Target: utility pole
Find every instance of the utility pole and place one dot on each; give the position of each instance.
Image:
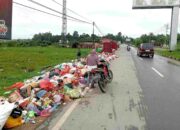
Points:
(64, 22)
(167, 28)
(174, 27)
(93, 32)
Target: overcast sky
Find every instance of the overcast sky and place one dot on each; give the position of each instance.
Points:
(111, 16)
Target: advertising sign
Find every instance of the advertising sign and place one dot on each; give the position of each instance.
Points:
(155, 3)
(5, 19)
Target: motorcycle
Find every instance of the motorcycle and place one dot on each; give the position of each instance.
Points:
(99, 78)
(108, 74)
(128, 48)
(105, 73)
(100, 75)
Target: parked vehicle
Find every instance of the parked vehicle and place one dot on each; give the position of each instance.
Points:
(146, 49)
(106, 69)
(100, 75)
(106, 74)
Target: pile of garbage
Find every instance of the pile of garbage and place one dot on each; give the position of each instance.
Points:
(43, 94)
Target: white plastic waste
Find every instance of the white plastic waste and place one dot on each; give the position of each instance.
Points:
(5, 111)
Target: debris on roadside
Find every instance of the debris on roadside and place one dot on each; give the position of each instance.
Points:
(41, 95)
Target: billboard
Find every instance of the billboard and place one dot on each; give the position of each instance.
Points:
(140, 4)
(5, 19)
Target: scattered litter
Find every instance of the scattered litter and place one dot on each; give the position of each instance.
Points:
(41, 95)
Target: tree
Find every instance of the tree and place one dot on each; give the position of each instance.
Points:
(56, 38)
(119, 37)
(69, 37)
(43, 37)
(110, 36)
(96, 38)
(137, 41)
(85, 38)
(160, 40)
(178, 38)
(76, 35)
(144, 38)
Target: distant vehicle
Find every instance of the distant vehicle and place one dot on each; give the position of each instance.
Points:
(128, 48)
(146, 49)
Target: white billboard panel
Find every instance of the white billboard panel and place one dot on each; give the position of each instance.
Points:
(155, 3)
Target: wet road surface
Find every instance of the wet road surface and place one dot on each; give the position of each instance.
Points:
(160, 82)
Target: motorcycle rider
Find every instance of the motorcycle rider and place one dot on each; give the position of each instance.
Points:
(128, 47)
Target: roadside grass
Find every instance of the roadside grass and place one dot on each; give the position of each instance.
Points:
(19, 63)
(166, 53)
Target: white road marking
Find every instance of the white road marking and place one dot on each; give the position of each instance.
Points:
(61, 121)
(158, 72)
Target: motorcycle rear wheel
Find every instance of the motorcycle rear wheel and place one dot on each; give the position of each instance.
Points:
(110, 76)
(102, 86)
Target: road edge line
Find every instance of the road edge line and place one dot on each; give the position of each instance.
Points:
(62, 120)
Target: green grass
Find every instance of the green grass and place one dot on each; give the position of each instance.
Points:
(18, 63)
(167, 53)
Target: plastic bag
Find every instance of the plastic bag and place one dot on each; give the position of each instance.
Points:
(75, 82)
(16, 112)
(65, 70)
(41, 93)
(17, 85)
(24, 104)
(5, 110)
(45, 112)
(14, 97)
(47, 85)
(74, 93)
(13, 122)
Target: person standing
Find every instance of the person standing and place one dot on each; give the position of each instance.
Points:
(92, 62)
(78, 54)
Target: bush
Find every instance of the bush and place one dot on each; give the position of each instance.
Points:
(137, 42)
(75, 45)
(178, 47)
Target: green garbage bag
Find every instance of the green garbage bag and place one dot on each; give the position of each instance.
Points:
(99, 50)
(74, 93)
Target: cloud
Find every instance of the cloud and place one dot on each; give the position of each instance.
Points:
(111, 16)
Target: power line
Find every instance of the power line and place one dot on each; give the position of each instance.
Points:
(72, 11)
(36, 9)
(58, 11)
(41, 11)
(76, 20)
(98, 29)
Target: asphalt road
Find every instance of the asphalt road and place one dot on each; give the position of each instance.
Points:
(144, 95)
(160, 82)
(121, 108)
